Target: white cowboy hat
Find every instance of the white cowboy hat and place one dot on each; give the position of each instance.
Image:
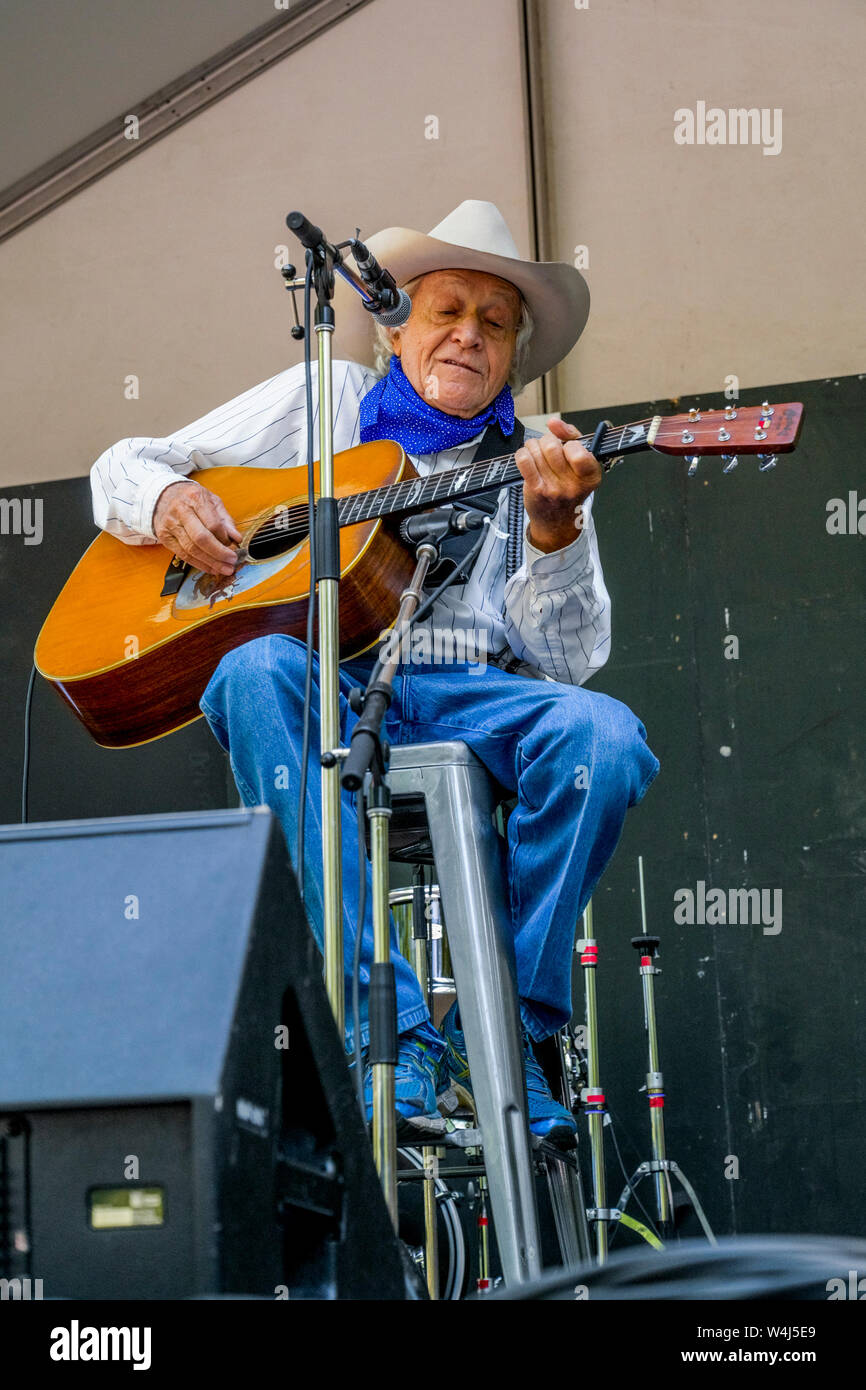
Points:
(472, 237)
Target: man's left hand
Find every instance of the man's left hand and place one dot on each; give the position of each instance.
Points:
(558, 476)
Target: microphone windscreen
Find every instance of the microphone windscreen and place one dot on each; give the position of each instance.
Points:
(396, 317)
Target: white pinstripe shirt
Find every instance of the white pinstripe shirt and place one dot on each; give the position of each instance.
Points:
(553, 614)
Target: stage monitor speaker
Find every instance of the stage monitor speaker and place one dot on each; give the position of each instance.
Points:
(176, 1113)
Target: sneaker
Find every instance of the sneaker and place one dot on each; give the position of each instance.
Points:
(547, 1118)
(420, 1075)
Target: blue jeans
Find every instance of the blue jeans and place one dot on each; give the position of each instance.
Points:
(575, 759)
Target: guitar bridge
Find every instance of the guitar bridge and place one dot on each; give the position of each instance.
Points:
(174, 576)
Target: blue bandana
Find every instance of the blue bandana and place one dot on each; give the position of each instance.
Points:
(392, 409)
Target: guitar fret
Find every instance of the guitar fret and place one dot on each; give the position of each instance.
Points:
(389, 498)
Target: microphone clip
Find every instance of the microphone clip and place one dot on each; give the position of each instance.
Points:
(435, 525)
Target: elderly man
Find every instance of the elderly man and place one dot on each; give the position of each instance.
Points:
(483, 322)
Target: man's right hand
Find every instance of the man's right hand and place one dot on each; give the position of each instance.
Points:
(192, 522)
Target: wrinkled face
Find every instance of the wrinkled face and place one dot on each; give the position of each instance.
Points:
(458, 344)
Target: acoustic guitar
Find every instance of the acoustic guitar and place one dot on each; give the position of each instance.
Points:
(134, 636)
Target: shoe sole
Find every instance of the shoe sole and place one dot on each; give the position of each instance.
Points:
(416, 1129)
(563, 1136)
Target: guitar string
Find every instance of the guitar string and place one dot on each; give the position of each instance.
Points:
(290, 515)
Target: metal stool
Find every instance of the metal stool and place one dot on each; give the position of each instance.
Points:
(460, 804)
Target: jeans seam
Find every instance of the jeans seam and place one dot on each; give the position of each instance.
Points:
(591, 762)
(532, 1021)
(468, 728)
(648, 781)
(244, 788)
(213, 717)
(405, 1021)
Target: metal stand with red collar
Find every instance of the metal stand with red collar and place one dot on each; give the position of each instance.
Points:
(660, 1167)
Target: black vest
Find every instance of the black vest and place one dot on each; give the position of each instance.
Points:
(452, 550)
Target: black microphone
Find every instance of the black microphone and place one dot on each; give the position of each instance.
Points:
(312, 237)
(388, 304)
(441, 522)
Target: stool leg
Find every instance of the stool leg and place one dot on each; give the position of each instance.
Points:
(470, 871)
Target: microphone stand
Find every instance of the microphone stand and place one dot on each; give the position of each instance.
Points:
(327, 260)
(327, 550)
(368, 752)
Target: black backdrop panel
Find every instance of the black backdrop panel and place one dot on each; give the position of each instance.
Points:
(70, 775)
(762, 785)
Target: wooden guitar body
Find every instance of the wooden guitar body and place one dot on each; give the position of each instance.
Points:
(133, 664)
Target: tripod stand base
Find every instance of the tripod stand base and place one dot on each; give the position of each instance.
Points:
(667, 1165)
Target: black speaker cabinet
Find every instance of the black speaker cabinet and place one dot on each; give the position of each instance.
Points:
(176, 1115)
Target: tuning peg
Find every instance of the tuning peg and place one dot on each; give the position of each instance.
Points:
(766, 461)
(730, 461)
(766, 409)
(693, 460)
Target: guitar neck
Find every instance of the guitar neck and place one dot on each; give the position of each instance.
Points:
(419, 494)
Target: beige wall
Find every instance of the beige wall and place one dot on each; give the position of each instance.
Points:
(165, 268)
(704, 261)
(707, 260)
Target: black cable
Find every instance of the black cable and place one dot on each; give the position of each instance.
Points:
(426, 607)
(356, 958)
(25, 774)
(459, 573)
(311, 601)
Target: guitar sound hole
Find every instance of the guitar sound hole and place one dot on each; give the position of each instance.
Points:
(276, 536)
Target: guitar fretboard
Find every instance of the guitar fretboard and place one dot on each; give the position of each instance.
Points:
(417, 494)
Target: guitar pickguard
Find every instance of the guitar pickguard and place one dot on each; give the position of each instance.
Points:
(202, 591)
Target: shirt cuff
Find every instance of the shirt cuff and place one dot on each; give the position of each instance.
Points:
(556, 569)
(148, 497)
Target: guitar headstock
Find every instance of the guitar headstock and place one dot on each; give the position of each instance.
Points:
(765, 430)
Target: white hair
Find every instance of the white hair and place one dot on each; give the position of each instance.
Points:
(383, 348)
